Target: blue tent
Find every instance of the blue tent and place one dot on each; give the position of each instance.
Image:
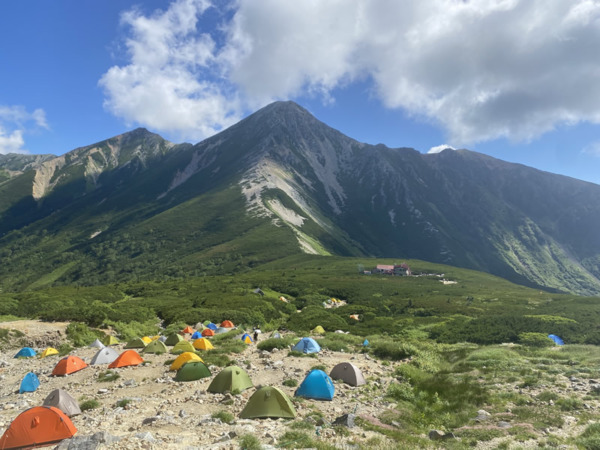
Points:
(556, 339)
(196, 335)
(212, 326)
(30, 383)
(365, 342)
(317, 385)
(26, 352)
(307, 345)
(247, 338)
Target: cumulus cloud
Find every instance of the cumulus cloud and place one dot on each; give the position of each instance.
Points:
(14, 122)
(440, 148)
(172, 82)
(480, 69)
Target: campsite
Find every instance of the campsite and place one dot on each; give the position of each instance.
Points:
(478, 363)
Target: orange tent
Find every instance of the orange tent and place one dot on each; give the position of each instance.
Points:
(36, 427)
(68, 365)
(188, 330)
(127, 358)
(208, 332)
(227, 324)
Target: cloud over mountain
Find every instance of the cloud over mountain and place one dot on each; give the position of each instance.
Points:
(481, 70)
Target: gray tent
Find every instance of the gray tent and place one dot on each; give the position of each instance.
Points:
(222, 330)
(62, 400)
(105, 355)
(348, 373)
(97, 344)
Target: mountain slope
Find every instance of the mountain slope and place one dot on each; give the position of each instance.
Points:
(280, 182)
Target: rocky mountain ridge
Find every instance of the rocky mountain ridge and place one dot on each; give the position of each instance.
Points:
(282, 172)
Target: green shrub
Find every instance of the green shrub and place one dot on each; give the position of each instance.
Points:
(401, 392)
(590, 438)
(546, 396)
(290, 382)
(123, 403)
(569, 403)
(249, 442)
(108, 375)
(319, 367)
(538, 340)
(296, 439)
(89, 404)
(81, 335)
(223, 416)
(393, 350)
(270, 344)
(64, 349)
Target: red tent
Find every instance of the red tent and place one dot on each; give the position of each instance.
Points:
(208, 332)
(188, 330)
(227, 324)
(69, 364)
(37, 427)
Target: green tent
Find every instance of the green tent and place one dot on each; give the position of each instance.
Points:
(229, 379)
(192, 370)
(267, 402)
(183, 346)
(138, 342)
(110, 340)
(157, 347)
(173, 339)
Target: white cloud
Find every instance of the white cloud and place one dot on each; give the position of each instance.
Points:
(440, 148)
(171, 83)
(14, 122)
(481, 69)
(592, 148)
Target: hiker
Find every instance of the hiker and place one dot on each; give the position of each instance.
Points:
(256, 333)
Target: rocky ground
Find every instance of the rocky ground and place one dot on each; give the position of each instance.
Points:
(163, 413)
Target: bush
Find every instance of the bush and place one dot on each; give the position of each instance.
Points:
(290, 382)
(270, 344)
(223, 416)
(108, 375)
(249, 442)
(393, 350)
(401, 392)
(89, 404)
(123, 403)
(81, 335)
(538, 340)
(319, 367)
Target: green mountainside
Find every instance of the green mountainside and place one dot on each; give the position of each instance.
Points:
(279, 183)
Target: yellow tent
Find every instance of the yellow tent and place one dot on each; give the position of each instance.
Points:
(109, 340)
(183, 358)
(146, 339)
(154, 338)
(202, 344)
(49, 352)
(318, 330)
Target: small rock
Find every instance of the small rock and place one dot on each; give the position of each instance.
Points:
(346, 420)
(503, 424)
(146, 436)
(182, 414)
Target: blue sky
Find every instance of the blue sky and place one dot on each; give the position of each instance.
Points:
(516, 79)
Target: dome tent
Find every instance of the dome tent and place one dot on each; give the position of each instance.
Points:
(202, 344)
(268, 402)
(105, 355)
(157, 347)
(49, 352)
(192, 370)
(173, 339)
(97, 344)
(231, 378)
(62, 400)
(41, 425)
(126, 359)
(183, 358)
(69, 365)
(307, 345)
(182, 347)
(30, 383)
(348, 373)
(317, 385)
(137, 342)
(556, 339)
(26, 352)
